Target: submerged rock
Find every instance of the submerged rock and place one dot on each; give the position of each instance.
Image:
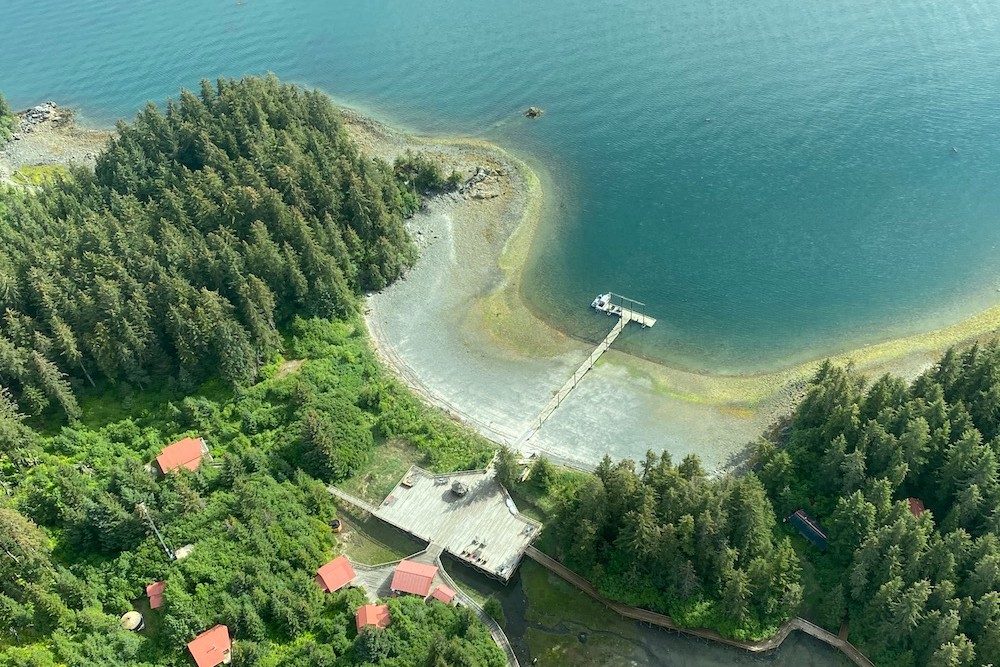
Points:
(534, 112)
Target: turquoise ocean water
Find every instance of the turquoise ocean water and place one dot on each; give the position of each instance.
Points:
(776, 179)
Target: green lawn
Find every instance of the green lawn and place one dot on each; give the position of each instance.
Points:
(39, 174)
(379, 476)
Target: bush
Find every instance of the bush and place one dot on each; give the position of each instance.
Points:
(493, 607)
(423, 174)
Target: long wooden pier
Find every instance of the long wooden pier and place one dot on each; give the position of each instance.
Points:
(603, 303)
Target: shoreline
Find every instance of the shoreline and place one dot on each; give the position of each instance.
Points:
(713, 415)
(59, 140)
(457, 330)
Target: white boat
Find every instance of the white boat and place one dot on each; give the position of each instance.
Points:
(602, 302)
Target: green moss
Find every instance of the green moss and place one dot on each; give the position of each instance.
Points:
(39, 174)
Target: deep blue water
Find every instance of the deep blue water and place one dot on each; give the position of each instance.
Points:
(774, 178)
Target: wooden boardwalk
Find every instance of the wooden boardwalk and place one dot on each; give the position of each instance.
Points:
(571, 383)
(352, 500)
(666, 622)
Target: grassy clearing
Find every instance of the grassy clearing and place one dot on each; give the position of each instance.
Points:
(379, 476)
(39, 174)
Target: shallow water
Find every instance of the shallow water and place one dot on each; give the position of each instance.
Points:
(775, 179)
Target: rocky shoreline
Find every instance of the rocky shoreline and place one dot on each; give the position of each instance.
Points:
(48, 134)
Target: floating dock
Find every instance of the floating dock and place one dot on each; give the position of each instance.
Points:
(627, 310)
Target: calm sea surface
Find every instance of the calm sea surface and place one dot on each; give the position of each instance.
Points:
(776, 179)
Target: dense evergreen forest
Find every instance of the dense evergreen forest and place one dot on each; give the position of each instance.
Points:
(7, 119)
(917, 588)
(669, 538)
(159, 297)
(203, 229)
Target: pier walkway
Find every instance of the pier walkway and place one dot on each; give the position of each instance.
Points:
(571, 383)
(352, 500)
(604, 303)
(662, 621)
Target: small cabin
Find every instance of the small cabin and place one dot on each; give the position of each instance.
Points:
(809, 528)
(372, 615)
(154, 592)
(444, 594)
(413, 578)
(335, 575)
(212, 647)
(183, 454)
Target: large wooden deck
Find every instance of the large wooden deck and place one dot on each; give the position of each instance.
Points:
(481, 528)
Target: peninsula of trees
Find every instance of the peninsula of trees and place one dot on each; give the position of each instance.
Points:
(202, 231)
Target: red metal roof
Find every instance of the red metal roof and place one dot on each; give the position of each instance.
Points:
(372, 614)
(444, 594)
(335, 575)
(185, 453)
(413, 578)
(916, 506)
(211, 647)
(154, 592)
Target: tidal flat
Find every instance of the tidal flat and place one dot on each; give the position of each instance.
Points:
(458, 330)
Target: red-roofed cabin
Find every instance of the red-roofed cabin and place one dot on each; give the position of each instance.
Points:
(335, 575)
(916, 506)
(444, 594)
(376, 615)
(414, 578)
(154, 592)
(186, 453)
(212, 647)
